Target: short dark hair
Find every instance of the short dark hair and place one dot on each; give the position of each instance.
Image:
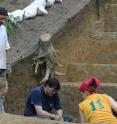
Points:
(53, 83)
(3, 11)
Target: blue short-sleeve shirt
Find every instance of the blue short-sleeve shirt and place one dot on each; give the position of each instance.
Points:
(38, 97)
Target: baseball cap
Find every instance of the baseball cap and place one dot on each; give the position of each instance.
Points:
(88, 84)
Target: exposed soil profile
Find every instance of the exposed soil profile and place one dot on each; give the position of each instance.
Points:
(80, 52)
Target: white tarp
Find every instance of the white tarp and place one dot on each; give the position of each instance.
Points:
(37, 7)
(49, 3)
(16, 16)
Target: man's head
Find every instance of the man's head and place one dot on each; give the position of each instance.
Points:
(51, 86)
(3, 86)
(89, 86)
(3, 14)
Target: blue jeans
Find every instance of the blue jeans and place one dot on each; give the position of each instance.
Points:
(68, 118)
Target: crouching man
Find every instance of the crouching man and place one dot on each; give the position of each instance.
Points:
(96, 107)
(43, 99)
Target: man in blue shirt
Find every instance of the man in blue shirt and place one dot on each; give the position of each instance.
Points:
(43, 99)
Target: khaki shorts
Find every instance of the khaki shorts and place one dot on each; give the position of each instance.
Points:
(3, 73)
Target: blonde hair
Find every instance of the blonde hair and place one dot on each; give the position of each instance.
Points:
(3, 83)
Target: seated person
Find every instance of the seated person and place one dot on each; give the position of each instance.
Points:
(96, 107)
(3, 91)
(42, 99)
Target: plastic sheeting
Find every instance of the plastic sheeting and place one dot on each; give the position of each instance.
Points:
(37, 7)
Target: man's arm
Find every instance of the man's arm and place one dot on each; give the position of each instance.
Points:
(113, 104)
(36, 100)
(82, 120)
(58, 106)
(59, 112)
(7, 46)
(41, 112)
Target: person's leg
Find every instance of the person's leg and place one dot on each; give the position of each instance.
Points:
(68, 118)
(3, 73)
(41, 117)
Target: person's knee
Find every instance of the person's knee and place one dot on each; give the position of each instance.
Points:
(3, 73)
(68, 118)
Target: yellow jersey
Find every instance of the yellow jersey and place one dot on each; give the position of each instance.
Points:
(96, 108)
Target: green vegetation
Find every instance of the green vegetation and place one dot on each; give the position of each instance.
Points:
(11, 24)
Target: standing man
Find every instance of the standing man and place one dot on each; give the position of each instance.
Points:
(4, 45)
(43, 99)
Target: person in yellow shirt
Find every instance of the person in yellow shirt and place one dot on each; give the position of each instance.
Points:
(96, 107)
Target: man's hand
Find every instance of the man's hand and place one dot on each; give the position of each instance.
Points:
(58, 118)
